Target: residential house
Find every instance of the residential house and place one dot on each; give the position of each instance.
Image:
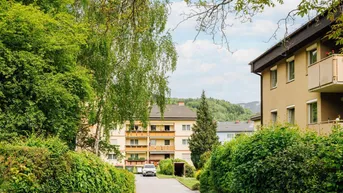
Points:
(227, 131)
(257, 121)
(302, 79)
(161, 139)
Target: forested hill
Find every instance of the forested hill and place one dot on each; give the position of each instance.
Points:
(222, 110)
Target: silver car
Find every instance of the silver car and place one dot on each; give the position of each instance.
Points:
(149, 170)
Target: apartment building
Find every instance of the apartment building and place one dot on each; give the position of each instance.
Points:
(302, 79)
(161, 139)
(226, 131)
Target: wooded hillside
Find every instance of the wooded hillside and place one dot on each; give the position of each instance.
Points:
(222, 110)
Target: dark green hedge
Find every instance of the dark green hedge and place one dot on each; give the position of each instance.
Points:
(48, 166)
(276, 159)
(167, 167)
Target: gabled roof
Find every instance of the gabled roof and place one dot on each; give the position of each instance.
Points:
(312, 30)
(173, 112)
(256, 117)
(235, 127)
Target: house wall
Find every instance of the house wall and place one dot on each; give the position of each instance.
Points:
(290, 93)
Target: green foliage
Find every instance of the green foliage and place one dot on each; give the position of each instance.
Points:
(38, 165)
(204, 135)
(197, 174)
(220, 109)
(196, 186)
(189, 170)
(203, 158)
(41, 86)
(166, 167)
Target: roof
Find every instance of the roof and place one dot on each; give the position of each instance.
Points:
(306, 34)
(235, 127)
(173, 112)
(256, 117)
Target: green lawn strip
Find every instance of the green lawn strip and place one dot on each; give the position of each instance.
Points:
(188, 182)
(163, 176)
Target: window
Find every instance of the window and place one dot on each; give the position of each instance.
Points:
(166, 142)
(291, 115)
(230, 136)
(186, 127)
(186, 156)
(274, 116)
(273, 78)
(167, 128)
(113, 142)
(134, 142)
(166, 156)
(184, 141)
(111, 156)
(152, 142)
(290, 71)
(312, 56)
(153, 127)
(134, 156)
(312, 112)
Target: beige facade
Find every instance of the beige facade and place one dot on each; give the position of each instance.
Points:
(317, 83)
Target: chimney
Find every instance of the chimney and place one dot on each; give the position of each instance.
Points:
(237, 121)
(181, 103)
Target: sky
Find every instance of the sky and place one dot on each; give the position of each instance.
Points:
(203, 65)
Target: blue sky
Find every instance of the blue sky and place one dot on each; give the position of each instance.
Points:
(203, 65)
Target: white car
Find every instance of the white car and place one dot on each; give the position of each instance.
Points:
(149, 169)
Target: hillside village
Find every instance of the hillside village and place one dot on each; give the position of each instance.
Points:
(98, 96)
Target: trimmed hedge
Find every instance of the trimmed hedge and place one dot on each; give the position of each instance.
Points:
(47, 166)
(276, 159)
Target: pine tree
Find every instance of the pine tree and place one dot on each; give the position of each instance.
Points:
(204, 136)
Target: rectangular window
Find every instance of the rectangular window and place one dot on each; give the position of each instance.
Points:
(312, 56)
(134, 142)
(273, 78)
(113, 142)
(167, 128)
(312, 113)
(153, 127)
(152, 142)
(134, 156)
(291, 115)
(230, 136)
(186, 156)
(290, 71)
(111, 156)
(184, 141)
(166, 142)
(186, 127)
(166, 156)
(274, 116)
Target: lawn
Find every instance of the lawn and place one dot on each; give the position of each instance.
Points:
(188, 182)
(162, 176)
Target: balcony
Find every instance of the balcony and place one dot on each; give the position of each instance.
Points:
(136, 134)
(136, 148)
(162, 134)
(324, 127)
(163, 149)
(326, 75)
(135, 162)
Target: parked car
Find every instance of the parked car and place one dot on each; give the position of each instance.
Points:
(149, 170)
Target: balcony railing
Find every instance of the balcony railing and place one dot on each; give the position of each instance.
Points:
(162, 134)
(325, 127)
(137, 148)
(162, 148)
(136, 134)
(326, 75)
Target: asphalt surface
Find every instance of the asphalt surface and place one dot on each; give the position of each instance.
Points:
(152, 184)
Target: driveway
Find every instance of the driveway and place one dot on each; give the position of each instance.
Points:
(156, 185)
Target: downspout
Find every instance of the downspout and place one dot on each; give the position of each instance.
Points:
(261, 90)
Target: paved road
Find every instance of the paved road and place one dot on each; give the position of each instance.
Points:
(155, 185)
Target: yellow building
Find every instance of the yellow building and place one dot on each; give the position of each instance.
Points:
(302, 79)
(163, 138)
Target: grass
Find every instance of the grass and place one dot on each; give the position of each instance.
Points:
(188, 182)
(163, 176)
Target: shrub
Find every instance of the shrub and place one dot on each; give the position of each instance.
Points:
(189, 170)
(206, 185)
(197, 174)
(196, 186)
(26, 168)
(166, 167)
(203, 158)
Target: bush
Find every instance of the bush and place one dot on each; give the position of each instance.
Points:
(38, 165)
(196, 186)
(189, 170)
(197, 174)
(166, 167)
